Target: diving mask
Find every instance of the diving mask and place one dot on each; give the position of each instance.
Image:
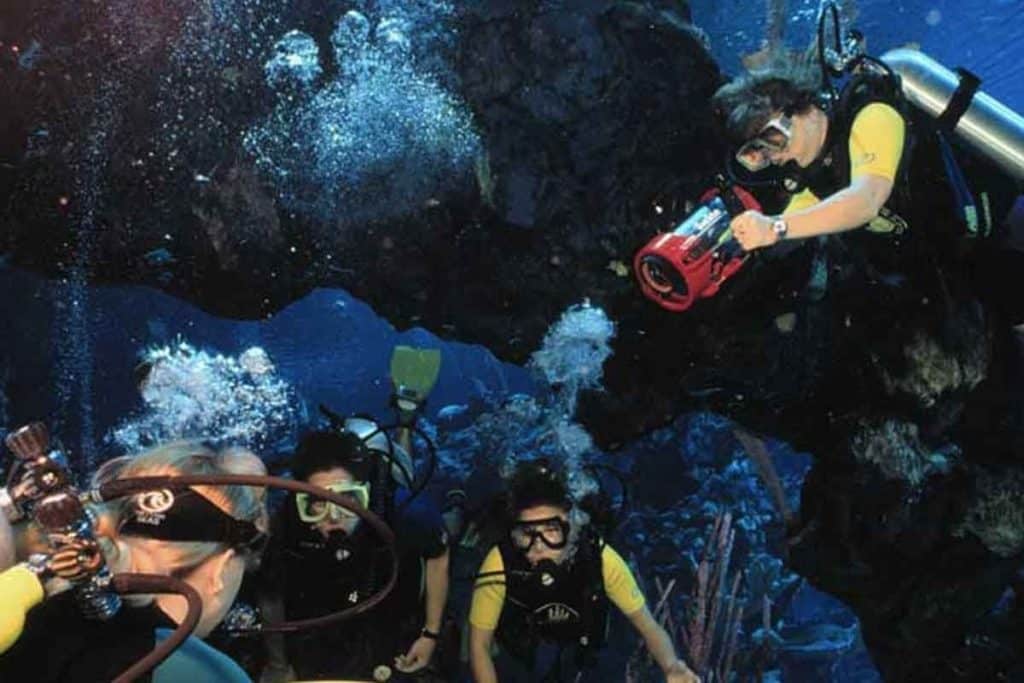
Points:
(755, 154)
(552, 531)
(312, 509)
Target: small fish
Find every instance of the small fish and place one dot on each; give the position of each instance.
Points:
(619, 268)
(452, 411)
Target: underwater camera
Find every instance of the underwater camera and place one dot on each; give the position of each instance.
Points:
(692, 261)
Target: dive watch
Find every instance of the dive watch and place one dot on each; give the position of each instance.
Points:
(780, 228)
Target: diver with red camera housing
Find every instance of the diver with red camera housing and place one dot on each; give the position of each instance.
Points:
(867, 155)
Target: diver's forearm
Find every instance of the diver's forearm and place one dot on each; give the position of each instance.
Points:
(437, 592)
(659, 644)
(483, 668)
(845, 210)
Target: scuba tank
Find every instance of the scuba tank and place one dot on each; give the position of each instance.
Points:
(953, 99)
(376, 439)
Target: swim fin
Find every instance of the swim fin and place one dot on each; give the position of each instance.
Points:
(413, 373)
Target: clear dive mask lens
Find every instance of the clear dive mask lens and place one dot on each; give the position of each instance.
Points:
(755, 154)
(312, 509)
(553, 532)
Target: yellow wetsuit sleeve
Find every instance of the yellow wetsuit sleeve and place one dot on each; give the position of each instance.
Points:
(488, 593)
(619, 583)
(876, 141)
(800, 201)
(20, 590)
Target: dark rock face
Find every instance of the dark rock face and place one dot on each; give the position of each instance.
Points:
(122, 157)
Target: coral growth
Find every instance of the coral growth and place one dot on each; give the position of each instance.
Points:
(997, 515)
(896, 448)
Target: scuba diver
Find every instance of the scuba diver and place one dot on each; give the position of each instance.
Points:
(542, 592)
(874, 154)
(206, 536)
(323, 558)
(847, 154)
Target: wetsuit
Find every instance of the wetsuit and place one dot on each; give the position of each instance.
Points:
(59, 645)
(874, 145)
(316, 576)
(550, 625)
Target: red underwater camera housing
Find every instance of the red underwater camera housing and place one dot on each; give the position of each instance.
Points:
(692, 261)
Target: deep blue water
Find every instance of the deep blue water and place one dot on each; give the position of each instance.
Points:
(330, 347)
(985, 36)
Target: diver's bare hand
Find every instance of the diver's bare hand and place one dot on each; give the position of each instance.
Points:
(753, 230)
(681, 673)
(417, 657)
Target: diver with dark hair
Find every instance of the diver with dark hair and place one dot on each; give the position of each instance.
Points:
(542, 593)
(876, 154)
(322, 559)
(841, 157)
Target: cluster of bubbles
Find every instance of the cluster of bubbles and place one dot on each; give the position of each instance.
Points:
(224, 400)
(542, 427)
(73, 347)
(572, 355)
(213, 43)
(378, 133)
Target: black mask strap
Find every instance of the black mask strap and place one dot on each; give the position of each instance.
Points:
(185, 515)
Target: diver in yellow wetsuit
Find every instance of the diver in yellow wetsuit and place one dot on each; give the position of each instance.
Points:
(543, 592)
(847, 153)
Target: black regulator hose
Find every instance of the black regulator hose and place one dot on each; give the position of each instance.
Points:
(134, 584)
(119, 488)
(431, 467)
(415, 488)
(826, 70)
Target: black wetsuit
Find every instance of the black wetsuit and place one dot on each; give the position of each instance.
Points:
(555, 618)
(59, 645)
(316, 577)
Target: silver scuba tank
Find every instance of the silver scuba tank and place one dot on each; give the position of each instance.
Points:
(401, 463)
(986, 125)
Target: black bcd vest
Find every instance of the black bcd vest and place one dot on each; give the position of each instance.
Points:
(830, 172)
(560, 604)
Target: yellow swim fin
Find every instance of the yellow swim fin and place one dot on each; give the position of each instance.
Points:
(413, 373)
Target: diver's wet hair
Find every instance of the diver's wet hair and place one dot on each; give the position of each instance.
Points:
(243, 503)
(325, 450)
(744, 105)
(536, 482)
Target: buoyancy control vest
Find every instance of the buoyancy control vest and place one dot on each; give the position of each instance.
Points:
(563, 604)
(830, 172)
